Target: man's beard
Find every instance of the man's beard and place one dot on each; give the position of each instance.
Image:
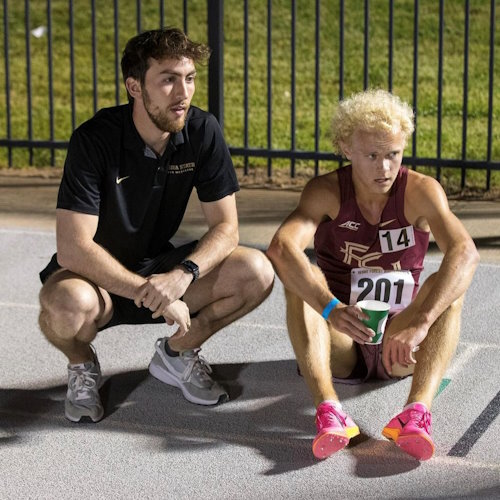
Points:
(160, 118)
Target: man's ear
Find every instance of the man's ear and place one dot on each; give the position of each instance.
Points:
(345, 149)
(133, 87)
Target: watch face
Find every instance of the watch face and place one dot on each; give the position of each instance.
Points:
(192, 268)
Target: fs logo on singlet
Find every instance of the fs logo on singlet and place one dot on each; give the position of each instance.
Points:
(355, 255)
(353, 226)
(356, 252)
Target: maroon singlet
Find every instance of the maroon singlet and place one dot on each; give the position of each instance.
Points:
(365, 261)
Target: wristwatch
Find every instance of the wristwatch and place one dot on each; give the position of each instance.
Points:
(192, 268)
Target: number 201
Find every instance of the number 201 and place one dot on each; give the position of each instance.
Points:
(382, 289)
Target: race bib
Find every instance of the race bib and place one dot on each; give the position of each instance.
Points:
(393, 287)
(394, 240)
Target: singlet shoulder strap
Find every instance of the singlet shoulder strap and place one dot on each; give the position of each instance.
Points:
(345, 183)
(398, 194)
(401, 185)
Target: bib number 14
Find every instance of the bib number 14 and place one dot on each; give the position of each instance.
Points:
(394, 240)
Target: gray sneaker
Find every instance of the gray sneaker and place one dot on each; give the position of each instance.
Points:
(189, 372)
(82, 398)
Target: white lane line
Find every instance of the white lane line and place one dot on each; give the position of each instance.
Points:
(265, 326)
(483, 345)
(446, 460)
(432, 261)
(463, 358)
(19, 305)
(481, 264)
(488, 264)
(26, 231)
(395, 454)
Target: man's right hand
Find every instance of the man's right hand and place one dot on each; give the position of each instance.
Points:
(347, 319)
(160, 290)
(177, 312)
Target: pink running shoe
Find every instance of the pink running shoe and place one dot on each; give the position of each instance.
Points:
(411, 431)
(335, 428)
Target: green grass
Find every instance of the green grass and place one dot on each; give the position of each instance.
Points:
(281, 71)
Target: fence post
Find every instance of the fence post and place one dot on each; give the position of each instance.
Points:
(215, 18)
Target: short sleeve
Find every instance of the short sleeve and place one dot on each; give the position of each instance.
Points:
(82, 177)
(215, 176)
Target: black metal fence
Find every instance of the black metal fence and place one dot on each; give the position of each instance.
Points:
(327, 49)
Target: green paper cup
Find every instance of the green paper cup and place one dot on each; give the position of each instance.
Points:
(378, 312)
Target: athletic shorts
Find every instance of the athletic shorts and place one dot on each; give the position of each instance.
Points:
(369, 366)
(125, 312)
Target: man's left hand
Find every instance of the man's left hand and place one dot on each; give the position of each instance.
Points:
(401, 347)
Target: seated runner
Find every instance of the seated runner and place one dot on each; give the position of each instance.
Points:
(370, 222)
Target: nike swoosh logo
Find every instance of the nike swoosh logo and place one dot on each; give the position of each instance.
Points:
(121, 179)
(382, 224)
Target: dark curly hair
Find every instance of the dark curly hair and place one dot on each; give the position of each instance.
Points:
(165, 43)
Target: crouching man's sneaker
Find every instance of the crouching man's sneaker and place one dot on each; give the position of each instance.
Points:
(335, 429)
(82, 397)
(411, 431)
(189, 372)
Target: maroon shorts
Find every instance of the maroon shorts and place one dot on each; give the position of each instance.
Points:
(369, 366)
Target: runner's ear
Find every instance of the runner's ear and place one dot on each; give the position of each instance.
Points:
(345, 149)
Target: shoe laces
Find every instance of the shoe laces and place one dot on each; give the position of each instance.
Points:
(82, 382)
(328, 417)
(197, 364)
(421, 419)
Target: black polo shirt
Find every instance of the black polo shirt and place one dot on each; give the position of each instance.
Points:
(141, 199)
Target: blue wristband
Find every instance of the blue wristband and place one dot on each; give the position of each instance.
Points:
(329, 307)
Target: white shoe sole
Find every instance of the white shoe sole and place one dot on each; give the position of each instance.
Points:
(164, 376)
(84, 416)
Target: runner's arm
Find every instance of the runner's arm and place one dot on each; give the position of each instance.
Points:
(426, 207)
(460, 257)
(294, 269)
(286, 250)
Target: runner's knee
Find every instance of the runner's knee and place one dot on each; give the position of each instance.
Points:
(301, 315)
(292, 299)
(427, 285)
(456, 305)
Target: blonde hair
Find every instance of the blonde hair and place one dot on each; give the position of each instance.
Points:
(371, 110)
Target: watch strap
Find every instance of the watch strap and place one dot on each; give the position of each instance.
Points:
(192, 268)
